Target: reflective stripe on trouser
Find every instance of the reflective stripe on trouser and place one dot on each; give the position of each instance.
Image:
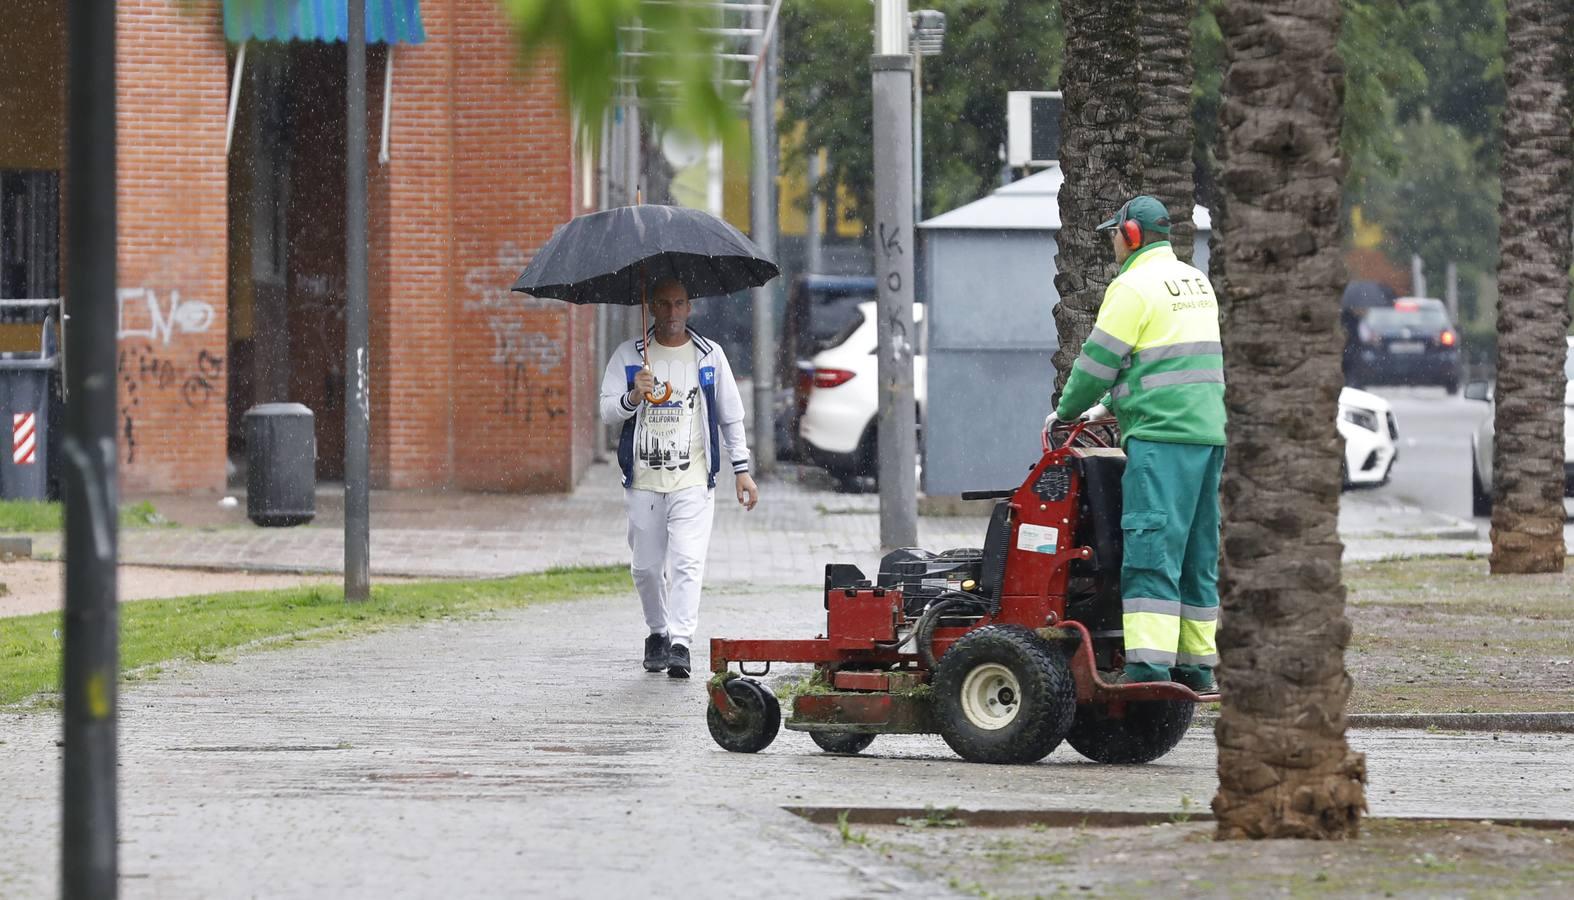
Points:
(668, 536)
(1170, 566)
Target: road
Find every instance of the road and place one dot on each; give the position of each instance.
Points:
(1433, 471)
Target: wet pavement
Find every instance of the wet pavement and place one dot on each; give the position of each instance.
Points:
(528, 755)
(799, 526)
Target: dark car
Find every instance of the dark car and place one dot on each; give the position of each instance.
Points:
(820, 309)
(1412, 342)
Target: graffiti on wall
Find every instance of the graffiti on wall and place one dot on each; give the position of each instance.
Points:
(144, 314)
(519, 349)
(148, 369)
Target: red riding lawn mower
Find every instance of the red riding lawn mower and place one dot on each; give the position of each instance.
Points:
(1004, 651)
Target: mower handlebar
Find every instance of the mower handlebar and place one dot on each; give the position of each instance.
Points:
(1076, 429)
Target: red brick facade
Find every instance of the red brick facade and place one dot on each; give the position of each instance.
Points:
(472, 386)
(172, 223)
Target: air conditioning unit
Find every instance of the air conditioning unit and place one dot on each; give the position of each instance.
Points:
(1032, 128)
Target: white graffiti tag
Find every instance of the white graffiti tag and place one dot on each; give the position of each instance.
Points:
(143, 315)
(511, 343)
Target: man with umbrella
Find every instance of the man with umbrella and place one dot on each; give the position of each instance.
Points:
(671, 453)
(673, 440)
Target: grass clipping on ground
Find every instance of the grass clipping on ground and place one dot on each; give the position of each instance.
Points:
(1443, 635)
(202, 628)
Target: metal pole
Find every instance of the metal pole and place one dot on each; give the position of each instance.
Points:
(814, 254)
(762, 208)
(357, 407)
(892, 67)
(918, 137)
(89, 862)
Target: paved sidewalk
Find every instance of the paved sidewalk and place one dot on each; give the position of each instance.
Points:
(529, 756)
(799, 526)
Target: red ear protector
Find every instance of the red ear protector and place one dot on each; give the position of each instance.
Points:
(1131, 230)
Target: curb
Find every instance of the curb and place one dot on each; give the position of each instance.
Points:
(1531, 723)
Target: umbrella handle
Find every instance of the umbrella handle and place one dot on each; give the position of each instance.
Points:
(666, 389)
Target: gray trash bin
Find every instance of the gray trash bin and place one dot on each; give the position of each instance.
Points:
(24, 411)
(281, 464)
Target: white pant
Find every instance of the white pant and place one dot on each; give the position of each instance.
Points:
(668, 537)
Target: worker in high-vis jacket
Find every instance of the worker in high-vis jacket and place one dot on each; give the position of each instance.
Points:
(1155, 358)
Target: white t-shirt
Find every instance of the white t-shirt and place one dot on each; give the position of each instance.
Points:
(670, 451)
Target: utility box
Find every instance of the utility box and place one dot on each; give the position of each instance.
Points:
(989, 287)
(281, 465)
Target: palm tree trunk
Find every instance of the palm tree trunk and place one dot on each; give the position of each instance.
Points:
(1533, 289)
(1285, 769)
(1164, 32)
(1101, 155)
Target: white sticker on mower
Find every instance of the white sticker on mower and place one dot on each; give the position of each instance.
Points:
(1038, 538)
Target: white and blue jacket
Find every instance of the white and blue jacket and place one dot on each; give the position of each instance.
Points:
(723, 405)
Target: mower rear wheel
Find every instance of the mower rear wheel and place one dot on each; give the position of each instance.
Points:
(1148, 730)
(841, 742)
(759, 718)
(1003, 694)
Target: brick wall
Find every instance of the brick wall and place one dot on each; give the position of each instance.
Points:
(172, 173)
(485, 387)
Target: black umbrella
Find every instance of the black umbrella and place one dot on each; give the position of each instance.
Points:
(612, 256)
(1367, 294)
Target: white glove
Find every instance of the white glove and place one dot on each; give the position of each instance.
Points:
(1050, 421)
(1098, 411)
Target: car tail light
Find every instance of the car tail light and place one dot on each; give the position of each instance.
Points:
(829, 378)
(1447, 338)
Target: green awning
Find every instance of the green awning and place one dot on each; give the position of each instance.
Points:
(387, 21)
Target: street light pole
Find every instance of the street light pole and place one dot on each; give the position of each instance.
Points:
(357, 406)
(762, 207)
(89, 860)
(892, 70)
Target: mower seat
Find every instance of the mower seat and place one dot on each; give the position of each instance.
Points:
(1101, 474)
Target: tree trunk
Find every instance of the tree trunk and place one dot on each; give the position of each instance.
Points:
(1101, 156)
(1533, 289)
(1164, 32)
(1285, 769)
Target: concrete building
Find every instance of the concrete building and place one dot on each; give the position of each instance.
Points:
(231, 251)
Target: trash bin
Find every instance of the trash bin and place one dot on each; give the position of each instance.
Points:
(24, 410)
(281, 465)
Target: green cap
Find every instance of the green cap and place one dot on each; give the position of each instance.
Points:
(1146, 211)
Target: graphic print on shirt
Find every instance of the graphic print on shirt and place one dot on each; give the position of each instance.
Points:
(671, 443)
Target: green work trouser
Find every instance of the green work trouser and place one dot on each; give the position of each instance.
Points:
(1169, 574)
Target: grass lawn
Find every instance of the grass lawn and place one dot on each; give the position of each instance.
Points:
(202, 628)
(38, 515)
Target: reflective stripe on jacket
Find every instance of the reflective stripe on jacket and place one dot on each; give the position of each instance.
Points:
(1155, 349)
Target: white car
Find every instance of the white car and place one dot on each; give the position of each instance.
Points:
(838, 424)
(1371, 435)
(1481, 439)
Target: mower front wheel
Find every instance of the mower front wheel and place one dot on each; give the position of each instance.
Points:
(1146, 731)
(758, 717)
(841, 742)
(1003, 694)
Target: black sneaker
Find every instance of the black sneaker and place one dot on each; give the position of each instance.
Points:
(678, 661)
(655, 653)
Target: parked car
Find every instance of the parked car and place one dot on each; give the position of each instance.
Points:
(838, 424)
(820, 309)
(1481, 440)
(1412, 342)
(1371, 436)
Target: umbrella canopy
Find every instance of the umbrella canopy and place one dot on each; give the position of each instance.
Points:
(602, 257)
(1367, 294)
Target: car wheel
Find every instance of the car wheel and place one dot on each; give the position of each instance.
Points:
(1452, 386)
(1480, 500)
